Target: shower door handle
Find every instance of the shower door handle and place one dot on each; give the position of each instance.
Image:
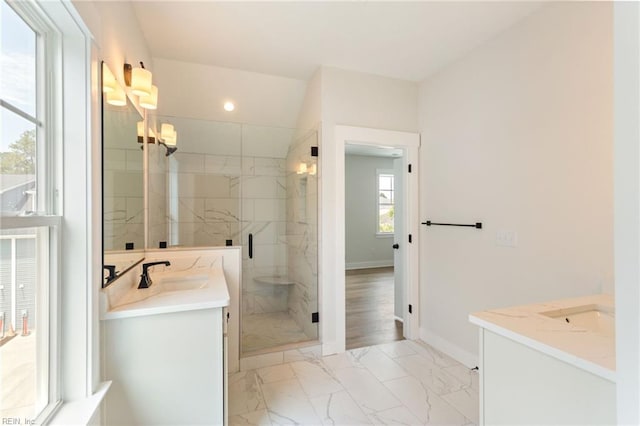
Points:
(250, 246)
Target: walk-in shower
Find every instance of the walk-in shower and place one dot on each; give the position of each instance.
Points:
(255, 186)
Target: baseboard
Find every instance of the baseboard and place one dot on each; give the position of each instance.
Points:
(454, 351)
(368, 264)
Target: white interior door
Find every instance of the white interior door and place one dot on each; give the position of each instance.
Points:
(399, 239)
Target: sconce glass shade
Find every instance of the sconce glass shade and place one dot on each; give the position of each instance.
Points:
(302, 168)
(140, 129)
(313, 169)
(151, 101)
(141, 82)
(117, 97)
(166, 131)
(109, 83)
(172, 140)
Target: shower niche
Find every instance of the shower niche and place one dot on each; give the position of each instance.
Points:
(254, 186)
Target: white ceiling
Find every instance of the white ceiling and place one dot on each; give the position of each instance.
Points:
(405, 40)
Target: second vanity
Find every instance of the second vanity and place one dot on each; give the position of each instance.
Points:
(548, 363)
(165, 347)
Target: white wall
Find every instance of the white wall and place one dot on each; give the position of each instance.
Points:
(364, 249)
(518, 135)
(350, 98)
(199, 91)
(627, 210)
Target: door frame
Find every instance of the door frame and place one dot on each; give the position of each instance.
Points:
(381, 138)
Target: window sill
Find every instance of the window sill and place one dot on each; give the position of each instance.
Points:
(82, 411)
(385, 235)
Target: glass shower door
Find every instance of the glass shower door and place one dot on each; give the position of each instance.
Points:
(279, 235)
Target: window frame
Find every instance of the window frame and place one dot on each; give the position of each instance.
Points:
(383, 172)
(64, 108)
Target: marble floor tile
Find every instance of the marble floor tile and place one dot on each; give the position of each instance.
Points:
(397, 349)
(400, 383)
(429, 374)
(435, 356)
(276, 373)
(253, 418)
(245, 393)
(394, 416)
(259, 361)
(465, 401)
(370, 394)
(303, 354)
(379, 364)
(424, 403)
(288, 404)
(316, 379)
(341, 360)
(339, 408)
(266, 330)
(470, 378)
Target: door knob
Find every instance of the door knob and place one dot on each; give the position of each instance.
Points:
(396, 246)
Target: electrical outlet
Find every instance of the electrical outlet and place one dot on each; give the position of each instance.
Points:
(507, 238)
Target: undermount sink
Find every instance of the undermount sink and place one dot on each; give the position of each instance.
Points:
(595, 318)
(180, 283)
(166, 283)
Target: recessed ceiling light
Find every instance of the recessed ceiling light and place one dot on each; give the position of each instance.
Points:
(229, 106)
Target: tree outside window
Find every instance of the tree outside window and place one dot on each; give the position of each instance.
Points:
(386, 200)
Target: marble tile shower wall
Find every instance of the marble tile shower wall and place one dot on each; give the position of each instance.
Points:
(264, 216)
(204, 201)
(124, 210)
(209, 207)
(302, 235)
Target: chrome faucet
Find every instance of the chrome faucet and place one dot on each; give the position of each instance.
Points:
(145, 279)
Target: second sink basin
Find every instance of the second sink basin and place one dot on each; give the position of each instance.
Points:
(596, 318)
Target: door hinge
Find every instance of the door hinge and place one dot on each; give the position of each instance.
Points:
(409, 168)
(410, 238)
(410, 309)
(315, 317)
(314, 151)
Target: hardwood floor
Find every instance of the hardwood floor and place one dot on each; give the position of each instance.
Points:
(369, 308)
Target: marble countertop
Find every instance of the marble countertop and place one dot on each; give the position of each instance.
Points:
(578, 346)
(141, 302)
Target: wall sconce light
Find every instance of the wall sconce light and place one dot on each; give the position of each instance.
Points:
(171, 140)
(302, 168)
(313, 169)
(117, 97)
(151, 101)
(151, 136)
(166, 131)
(139, 79)
(168, 138)
(229, 106)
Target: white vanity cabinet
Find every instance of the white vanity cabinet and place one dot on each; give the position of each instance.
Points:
(543, 364)
(522, 386)
(166, 368)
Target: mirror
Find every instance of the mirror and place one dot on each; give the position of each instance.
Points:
(122, 187)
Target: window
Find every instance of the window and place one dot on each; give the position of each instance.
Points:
(386, 198)
(29, 225)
